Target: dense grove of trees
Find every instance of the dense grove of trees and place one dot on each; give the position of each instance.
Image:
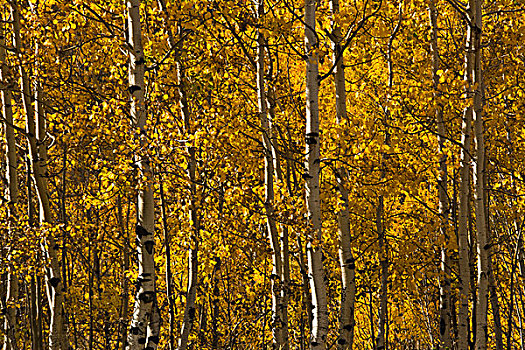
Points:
(268, 174)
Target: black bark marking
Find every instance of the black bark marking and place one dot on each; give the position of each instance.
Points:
(348, 327)
(154, 339)
(139, 61)
(147, 297)
(442, 326)
(341, 341)
(134, 330)
(134, 88)
(149, 246)
(310, 140)
(140, 231)
(54, 281)
(142, 340)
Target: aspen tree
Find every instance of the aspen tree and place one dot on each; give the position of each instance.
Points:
(346, 258)
(278, 319)
(444, 287)
(193, 262)
(382, 337)
(195, 195)
(463, 212)
(319, 327)
(144, 330)
(10, 324)
(479, 175)
(36, 138)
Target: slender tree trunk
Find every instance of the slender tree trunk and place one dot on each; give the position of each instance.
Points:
(143, 332)
(10, 324)
(35, 314)
(494, 302)
(193, 261)
(463, 212)
(277, 323)
(36, 139)
(444, 288)
(382, 327)
(35, 301)
(169, 286)
(215, 300)
(479, 186)
(123, 323)
(195, 197)
(346, 258)
(319, 328)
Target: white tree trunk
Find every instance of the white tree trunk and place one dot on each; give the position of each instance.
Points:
(10, 324)
(479, 175)
(444, 285)
(319, 328)
(346, 258)
(144, 328)
(193, 262)
(57, 334)
(464, 181)
(278, 318)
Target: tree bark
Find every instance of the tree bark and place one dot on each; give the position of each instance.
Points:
(10, 324)
(444, 285)
(479, 175)
(169, 287)
(463, 212)
(319, 327)
(143, 332)
(38, 154)
(346, 258)
(382, 326)
(195, 197)
(277, 277)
